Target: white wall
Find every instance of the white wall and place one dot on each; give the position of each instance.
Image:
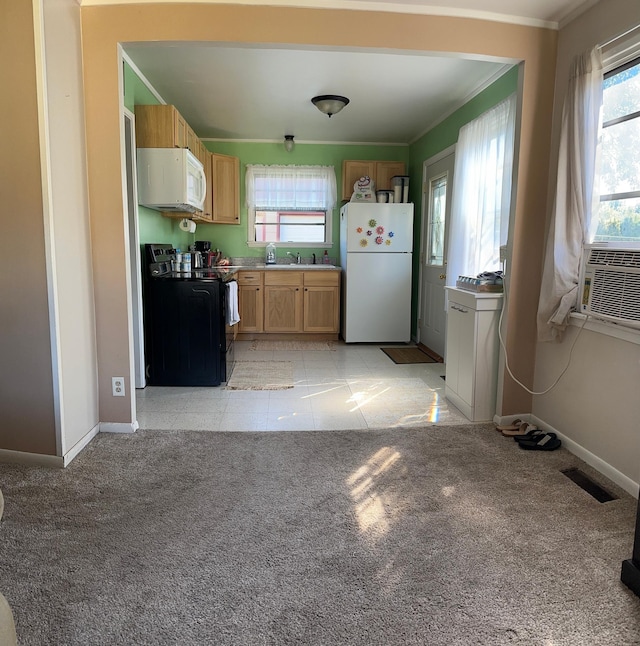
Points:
(70, 270)
(597, 402)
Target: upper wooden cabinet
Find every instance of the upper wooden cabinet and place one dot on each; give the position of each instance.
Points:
(160, 126)
(226, 189)
(380, 172)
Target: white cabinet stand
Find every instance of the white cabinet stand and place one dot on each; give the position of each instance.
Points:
(472, 352)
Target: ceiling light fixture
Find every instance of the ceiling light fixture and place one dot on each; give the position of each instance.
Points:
(289, 143)
(330, 103)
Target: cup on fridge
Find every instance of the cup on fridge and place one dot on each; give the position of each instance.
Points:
(400, 185)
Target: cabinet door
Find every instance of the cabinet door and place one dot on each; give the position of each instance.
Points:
(226, 189)
(251, 308)
(321, 310)
(179, 130)
(352, 171)
(157, 126)
(461, 351)
(193, 143)
(282, 308)
(385, 170)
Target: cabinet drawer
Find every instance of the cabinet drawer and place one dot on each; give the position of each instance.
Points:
(322, 277)
(250, 278)
(283, 277)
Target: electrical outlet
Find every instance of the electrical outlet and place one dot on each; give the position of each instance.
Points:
(117, 386)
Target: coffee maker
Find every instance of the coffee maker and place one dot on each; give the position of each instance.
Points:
(203, 247)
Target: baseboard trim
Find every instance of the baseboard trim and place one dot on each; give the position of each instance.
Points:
(31, 459)
(78, 446)
(579, 451)
(119, 427)
(591, 459)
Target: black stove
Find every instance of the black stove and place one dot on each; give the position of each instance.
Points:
(187, 341)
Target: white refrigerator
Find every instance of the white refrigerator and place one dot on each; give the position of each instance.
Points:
(376, 242)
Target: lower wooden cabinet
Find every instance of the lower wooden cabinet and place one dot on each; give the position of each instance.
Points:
(289, 302)
(283, 301)
(250, 301)
(321, 302)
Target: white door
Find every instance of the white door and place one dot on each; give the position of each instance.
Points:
(436, 209)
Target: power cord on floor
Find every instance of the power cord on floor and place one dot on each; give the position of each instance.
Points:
(506, 357)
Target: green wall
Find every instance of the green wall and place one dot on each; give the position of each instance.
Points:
(445, 134)
(232, 238)
(153, 226)
(439, 138)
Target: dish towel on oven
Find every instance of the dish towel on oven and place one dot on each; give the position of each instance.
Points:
(233, 316)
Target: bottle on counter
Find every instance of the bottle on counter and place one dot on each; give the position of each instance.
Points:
(270, 254)
(325, 259)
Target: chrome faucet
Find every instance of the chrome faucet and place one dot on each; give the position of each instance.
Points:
(297, 257)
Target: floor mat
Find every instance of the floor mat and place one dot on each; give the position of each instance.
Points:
(291, 345)
(261, 375)
(408, 355)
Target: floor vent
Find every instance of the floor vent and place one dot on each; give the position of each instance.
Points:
(592, 488)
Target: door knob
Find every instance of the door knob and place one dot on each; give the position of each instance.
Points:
(443, 276)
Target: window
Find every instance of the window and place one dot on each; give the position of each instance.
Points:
(481, 192)
(290, 205)
(619, 213)
(436, 223)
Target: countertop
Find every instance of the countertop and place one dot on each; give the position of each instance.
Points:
(293, 266)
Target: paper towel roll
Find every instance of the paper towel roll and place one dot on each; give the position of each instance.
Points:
(188, 225)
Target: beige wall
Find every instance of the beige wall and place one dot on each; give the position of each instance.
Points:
(105, 26)
(596, 403)
(27, 418)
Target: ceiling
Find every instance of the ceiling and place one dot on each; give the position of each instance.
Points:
(263, 93)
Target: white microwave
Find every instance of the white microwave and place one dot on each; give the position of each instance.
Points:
(170, 179)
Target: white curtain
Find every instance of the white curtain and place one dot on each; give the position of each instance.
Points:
(481, 192)
(291, 187)
(574, 215)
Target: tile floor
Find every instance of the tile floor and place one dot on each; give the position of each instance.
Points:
(351, 387)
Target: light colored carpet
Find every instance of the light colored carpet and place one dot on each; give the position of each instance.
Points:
(261, 375)
(292, 345)
(439, 536)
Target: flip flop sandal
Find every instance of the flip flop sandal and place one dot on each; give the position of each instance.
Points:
(546, 442)
(523, 429)
(532, 434)
(509, 427)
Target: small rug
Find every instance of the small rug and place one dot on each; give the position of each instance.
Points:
(407, 355)
(292, 345)
(261, 375)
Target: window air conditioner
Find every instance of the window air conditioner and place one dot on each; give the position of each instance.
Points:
(611, 285)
